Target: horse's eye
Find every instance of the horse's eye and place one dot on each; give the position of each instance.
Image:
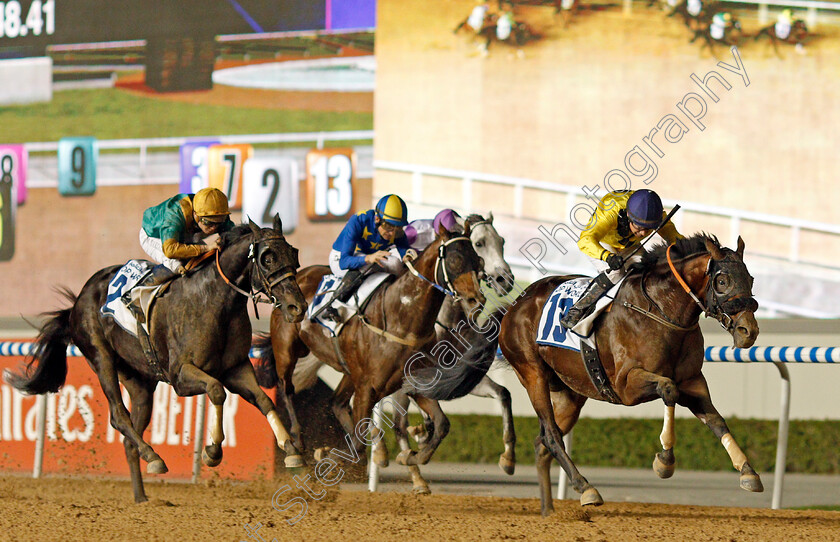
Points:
(267, 258)
(479, 244)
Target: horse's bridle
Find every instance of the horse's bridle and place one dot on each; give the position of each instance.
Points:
(264, 280)
(448, 289)
(714, 307)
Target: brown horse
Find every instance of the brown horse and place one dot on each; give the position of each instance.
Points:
(650, 345)
(372, 349)
(201, 335)
(797, 35)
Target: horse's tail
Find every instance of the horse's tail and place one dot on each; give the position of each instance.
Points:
(265, 367)
(457, 381)
(50, 353)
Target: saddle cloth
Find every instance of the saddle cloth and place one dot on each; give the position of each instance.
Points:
(551, 333)
(124, 281)
(323, 295)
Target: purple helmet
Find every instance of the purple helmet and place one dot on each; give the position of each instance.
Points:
(410, 234)
(446, 218)
(644, 208)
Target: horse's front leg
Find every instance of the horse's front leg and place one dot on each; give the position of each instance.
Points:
(694, 394)
(190, 379)
(488, 388)
(641, 384)
(441, 429)
(242, 381)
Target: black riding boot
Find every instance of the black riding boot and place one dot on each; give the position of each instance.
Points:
(349, 282)
(584, 306)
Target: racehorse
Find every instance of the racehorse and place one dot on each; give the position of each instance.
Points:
(650, 346)
(200, 333)
(469, 375)
(730, 35)
(373, 348)
(696, 15)
(797, 35)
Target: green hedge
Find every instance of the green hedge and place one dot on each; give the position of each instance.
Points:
(632, 443)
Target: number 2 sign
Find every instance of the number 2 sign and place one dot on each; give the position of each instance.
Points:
(330, 183)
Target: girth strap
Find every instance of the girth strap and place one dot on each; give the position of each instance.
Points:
(420, 341)
(595, 370)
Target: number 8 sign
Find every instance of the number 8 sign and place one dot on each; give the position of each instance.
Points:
(330, 186)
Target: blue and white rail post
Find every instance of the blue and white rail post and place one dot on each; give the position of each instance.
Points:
(777, 355)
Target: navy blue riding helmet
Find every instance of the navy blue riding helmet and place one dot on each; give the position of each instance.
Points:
(644, 208)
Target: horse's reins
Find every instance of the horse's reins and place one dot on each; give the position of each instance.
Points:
(266, 285)
(449, 290)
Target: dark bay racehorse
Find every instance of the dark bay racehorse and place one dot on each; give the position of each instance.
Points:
(650, 346)
(797, 35)
(398, 322)
(200, 332)
(732, 35)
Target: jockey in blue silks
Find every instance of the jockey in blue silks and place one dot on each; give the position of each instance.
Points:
(367, 239)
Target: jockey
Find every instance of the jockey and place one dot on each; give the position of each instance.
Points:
(784, 24)
(621, 220)
(694, 7)
(720, 23)
(477, 16)
(504, 26)
(421, 233)
(365, 240)
(170, 228)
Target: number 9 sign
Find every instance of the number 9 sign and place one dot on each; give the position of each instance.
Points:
(77, 158)
(330, 176)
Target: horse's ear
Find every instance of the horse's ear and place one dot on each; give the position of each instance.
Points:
(443, 233)
(253, 226)
(278, 224)
(467, 228)
(740, 251)
(490, 217)
(713, 249)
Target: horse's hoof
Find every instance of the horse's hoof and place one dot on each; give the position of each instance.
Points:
(380, 457)
(321, 453)
(156, 467)
(418, 433)
(209, 458)
(507, 465)
(662, 469)
(421, 490)
(407, 457)
(750, 480)
(591, 497)
(294, 462)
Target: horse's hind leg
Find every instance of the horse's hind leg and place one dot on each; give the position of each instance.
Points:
(192, 380)
(103, 364)
(140, 392)
(400, 404)
(695, 395)
(543, 460)
(488, 388)
(242, 381)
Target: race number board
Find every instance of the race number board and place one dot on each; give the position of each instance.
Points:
(15, 166)
(9, 169)
(224, 170)
(77, 158)
(330, 183)
(194, 165)
(269, 187)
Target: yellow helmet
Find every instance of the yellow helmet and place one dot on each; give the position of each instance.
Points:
(210, 202)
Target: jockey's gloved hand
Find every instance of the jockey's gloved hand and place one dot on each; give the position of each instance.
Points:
(615, 261)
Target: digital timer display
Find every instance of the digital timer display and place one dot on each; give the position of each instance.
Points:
(19, 20)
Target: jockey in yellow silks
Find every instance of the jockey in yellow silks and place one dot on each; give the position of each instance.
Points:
(622, 219)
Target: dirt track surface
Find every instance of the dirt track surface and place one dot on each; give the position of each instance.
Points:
(85, 509)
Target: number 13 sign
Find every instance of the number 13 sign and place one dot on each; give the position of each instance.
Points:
(330, 183)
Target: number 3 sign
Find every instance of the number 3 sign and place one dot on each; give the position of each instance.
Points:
(330, 186)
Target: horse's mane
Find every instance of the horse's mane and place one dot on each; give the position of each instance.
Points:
(696, 244)
(474, 218)
(234, 234)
